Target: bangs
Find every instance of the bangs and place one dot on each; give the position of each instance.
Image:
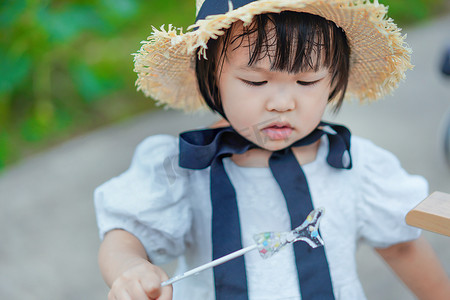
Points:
(291, 43)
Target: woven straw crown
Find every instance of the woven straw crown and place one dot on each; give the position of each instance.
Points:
(165, 64)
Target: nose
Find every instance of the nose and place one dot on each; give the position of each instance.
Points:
(283, 100)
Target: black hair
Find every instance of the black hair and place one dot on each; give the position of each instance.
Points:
(299, 39)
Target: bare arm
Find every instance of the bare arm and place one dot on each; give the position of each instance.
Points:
(418, 267)
(127, 270)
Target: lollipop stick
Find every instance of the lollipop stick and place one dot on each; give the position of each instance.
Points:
(211, 264)
(268, 243)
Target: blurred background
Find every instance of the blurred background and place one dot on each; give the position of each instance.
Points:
(66, 65)
(70, 119)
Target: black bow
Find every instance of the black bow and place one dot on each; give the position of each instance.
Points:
(200, 149)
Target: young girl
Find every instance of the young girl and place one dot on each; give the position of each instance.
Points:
(270, 68)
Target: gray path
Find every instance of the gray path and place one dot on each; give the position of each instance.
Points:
(48, 235)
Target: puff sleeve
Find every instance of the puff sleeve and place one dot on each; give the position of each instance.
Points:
(388, 192)
(149, 200)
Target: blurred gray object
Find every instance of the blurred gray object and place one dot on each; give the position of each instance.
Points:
(445, 68)
(446, 62)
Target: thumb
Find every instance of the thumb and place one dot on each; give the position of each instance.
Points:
(159, 293)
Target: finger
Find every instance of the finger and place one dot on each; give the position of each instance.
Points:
(118, 295)
(111, 295)
(152, 283)
(166, 293)
(137, 292)
(152, 288)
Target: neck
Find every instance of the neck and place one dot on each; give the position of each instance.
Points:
(259, 158)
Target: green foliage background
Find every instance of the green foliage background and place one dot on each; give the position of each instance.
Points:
(66, 65)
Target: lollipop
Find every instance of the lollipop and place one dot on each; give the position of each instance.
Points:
(268, 243)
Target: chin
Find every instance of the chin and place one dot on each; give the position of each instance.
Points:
(276, 145)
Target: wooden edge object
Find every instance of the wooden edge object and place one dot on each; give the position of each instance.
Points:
(432, 214)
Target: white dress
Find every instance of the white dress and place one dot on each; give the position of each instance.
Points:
(169, 210)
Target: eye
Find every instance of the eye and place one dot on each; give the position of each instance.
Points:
(307, 83)
(254, 83)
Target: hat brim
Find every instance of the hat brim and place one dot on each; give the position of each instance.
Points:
(165, 64)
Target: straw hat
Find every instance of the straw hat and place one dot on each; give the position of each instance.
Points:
(165, 64)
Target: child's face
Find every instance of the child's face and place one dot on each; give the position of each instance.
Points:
(272, 109)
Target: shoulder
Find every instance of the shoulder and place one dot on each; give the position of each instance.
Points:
(156, 146)
(361, 147)
(150, 199)
(155, 152)
(151, 160)
(381, 174)
(366, 154)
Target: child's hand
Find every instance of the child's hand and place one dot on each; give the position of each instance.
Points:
(141, 282)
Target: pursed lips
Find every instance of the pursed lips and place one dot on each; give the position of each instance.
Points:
(278, 130)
